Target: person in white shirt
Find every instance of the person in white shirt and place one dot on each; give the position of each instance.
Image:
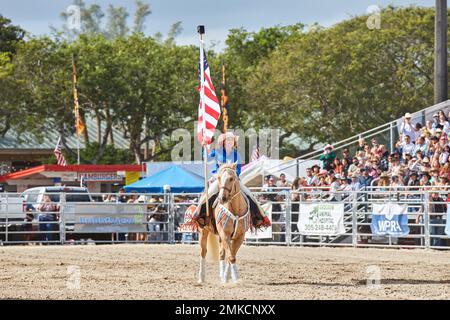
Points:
(355, 185)
(335, 188)
(407, 129)
(421, 145)
(407, 147)
(311, 180)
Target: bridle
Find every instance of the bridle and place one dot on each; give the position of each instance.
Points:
(222, 187)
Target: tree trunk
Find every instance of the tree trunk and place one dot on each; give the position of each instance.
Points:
(99, 127)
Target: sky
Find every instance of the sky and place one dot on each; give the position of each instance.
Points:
(218, 16)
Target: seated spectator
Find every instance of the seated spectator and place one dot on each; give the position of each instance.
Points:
(413, 181)
(311, 180)
(364, 179)
(384, 182)
(420, 146)
(282, 183)
(355, 185)
(396, 183)
(346, 155)
(361, 143)
(407, 147)
(337, 166)
(345, 167)
(354, 167)
(425, 180)
(315, 170)
(434, 177)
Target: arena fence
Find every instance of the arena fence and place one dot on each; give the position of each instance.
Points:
(391, 217)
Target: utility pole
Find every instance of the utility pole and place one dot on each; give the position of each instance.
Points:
(440, 53)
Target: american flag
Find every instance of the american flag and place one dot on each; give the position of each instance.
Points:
(59, 155)
(211, 104)
(255, 154)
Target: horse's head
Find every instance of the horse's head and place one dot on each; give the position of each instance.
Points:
(228, 181)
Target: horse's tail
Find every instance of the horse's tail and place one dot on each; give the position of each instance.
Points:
(213, 247)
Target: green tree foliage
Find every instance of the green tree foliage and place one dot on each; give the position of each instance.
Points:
(329, 83)
(9, 35)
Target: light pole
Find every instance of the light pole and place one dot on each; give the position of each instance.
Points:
(440, 53)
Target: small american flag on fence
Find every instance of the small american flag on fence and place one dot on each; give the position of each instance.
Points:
(255, 154)
(59, 156)
(211, 105)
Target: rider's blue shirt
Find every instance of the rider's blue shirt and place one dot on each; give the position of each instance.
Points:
(220, 156)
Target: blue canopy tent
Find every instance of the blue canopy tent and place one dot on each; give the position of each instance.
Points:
(179, 180)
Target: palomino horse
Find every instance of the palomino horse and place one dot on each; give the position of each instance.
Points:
(232, 219)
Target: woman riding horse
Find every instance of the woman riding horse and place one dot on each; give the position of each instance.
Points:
(226, 153)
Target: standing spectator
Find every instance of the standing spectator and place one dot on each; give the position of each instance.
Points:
(406, 129)
(437, 209)
(46, 218)
(327, 157)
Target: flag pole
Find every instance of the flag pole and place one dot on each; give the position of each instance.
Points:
(77, 111)
(201, 32)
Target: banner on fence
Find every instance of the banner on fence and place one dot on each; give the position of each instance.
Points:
(325, 219)
(111, 218)
(389, 219)
(265, 233)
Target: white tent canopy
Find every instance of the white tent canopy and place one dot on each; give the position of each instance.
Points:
(252, 174)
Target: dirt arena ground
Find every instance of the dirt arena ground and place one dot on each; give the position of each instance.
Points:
(169, 272)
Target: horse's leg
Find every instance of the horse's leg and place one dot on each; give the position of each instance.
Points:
(222, 264)
(203, 238)
(226, 249)
(235, 245)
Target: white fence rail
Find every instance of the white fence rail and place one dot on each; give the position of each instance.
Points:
(301, 218)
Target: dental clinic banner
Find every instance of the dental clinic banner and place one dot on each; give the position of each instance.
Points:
(326, 219)
(389, 219)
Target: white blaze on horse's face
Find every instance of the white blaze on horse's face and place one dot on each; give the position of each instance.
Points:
(226, 182)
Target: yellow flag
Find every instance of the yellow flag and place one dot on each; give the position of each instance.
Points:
(79, 124)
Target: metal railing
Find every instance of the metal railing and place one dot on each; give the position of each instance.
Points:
(156, 218)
